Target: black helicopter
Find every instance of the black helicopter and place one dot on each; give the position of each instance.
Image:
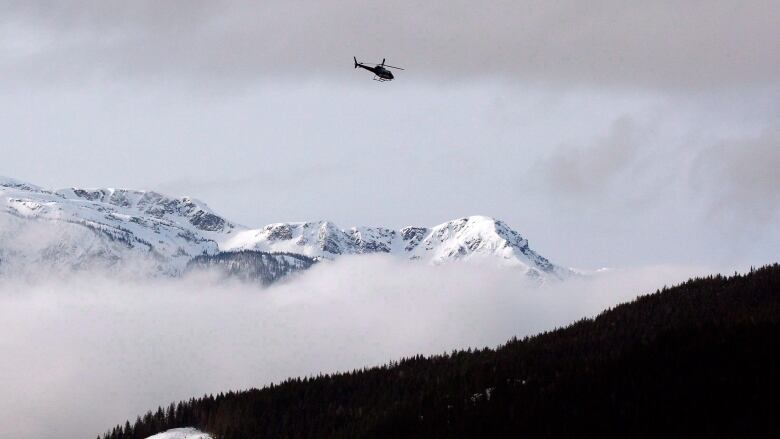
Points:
(380, 70)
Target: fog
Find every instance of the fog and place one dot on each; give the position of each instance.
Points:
(83, 353)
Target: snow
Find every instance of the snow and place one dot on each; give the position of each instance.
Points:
(12, 182)
(121, 222)
(476, 238)
(181, 433)
(117, 224)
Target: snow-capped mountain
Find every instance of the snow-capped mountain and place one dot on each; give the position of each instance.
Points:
(470, 238)
(73, 228)
(79, 227)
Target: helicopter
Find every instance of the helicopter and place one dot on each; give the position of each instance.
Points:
(380, 70)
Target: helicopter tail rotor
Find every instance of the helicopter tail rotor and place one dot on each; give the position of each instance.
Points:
(356, 63)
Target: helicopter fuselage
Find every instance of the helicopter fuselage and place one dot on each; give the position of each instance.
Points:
(379, 71)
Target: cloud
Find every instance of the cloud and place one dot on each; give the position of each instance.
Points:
(586, 172)
(83, 353)
(645, 163)
(607, 42)
(741, 178)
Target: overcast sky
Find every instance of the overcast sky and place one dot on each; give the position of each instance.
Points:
(609, 133)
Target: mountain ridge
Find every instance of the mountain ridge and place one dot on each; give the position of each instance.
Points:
(172, 231)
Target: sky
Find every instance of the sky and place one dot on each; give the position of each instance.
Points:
(612, 133)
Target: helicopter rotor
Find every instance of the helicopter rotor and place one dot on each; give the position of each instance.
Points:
(382, 64)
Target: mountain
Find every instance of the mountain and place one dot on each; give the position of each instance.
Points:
(696, 360)
(474, 238)
(75, 228)
(110, 228)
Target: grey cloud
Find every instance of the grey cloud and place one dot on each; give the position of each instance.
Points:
(727, 182)
(657, 44)
(741, 178)
(587, 172)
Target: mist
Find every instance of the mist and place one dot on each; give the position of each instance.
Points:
(83, 353)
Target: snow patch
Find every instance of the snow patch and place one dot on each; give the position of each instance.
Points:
(181, 433)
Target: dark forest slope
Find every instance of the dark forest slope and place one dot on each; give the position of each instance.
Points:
(251, 265)
(698, 359)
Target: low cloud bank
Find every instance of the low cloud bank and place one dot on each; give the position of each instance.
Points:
(84, 353)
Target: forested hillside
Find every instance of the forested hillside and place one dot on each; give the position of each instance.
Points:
(249, 265)
(696, 360)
